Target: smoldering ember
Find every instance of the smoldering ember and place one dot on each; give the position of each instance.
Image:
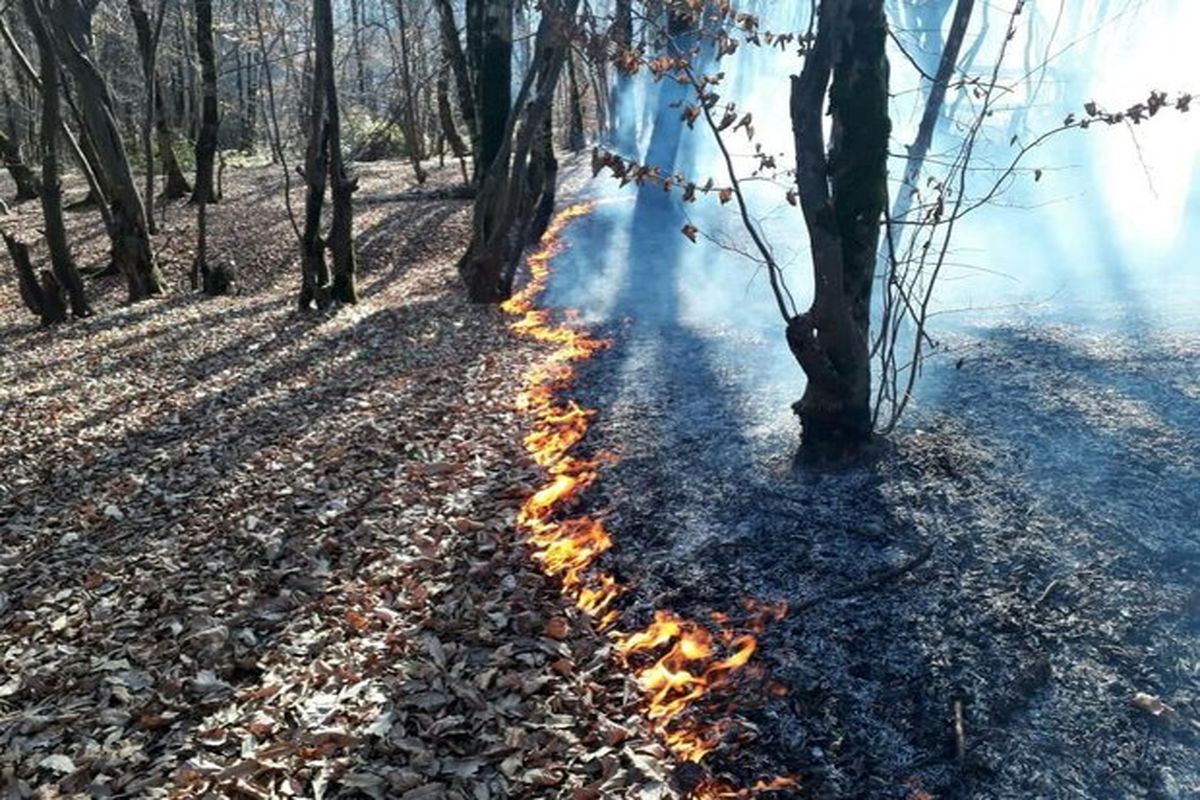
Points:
(475, 399)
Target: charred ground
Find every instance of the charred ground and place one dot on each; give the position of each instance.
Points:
(1052, 479)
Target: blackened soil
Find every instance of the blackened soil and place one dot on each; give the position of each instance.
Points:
(1056, 476)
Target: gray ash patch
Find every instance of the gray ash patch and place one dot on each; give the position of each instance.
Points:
(1056, 476)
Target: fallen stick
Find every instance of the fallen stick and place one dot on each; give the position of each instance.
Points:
(960, 733)
(875, 581)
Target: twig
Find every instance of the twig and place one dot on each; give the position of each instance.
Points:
(960, 734)
(874, 582)
(1045, 593)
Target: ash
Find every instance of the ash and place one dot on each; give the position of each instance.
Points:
(1056, 476)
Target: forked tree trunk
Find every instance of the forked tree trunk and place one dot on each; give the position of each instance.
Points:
(505, 208)
(324, 157)
(843, 194)
(132, 250)
(45, 300)
(210, 119)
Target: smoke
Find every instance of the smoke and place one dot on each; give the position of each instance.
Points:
(1101, 237)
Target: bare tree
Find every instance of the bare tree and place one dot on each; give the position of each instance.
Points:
(149, 34)
(210, 116)
(505, 210)
(62, 262)
(452, 52)
(132, 250)
(843, 195)
(324, 159)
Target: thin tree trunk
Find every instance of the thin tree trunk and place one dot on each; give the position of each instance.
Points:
(273, 127)
(210, 119)
(342, 187)
(250, 121)
(452, 52)
(933, 109)
(360, 73)
(315, 285)
(449, 132)
(81, 160)
(413, 133)
(575, 136)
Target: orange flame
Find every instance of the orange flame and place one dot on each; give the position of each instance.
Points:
(677, 663)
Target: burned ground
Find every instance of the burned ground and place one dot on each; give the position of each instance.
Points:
(1053, 479)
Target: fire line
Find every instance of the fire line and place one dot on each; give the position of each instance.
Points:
(676, 662)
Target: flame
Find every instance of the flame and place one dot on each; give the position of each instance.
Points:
(677, 663)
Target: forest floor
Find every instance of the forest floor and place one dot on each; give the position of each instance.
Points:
(251, 552)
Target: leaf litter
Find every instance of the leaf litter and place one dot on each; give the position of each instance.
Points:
(252, 553)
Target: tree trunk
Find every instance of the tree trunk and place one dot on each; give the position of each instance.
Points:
(342, 186)
(147, 36)
(503, 213)
(494, 78)
(85, 166)
(45, 300)
(575, 136)
(324, 156)
(933, 109)
(412, 132)
(843, 196)
(62, 262)
(210, 120)
(101, 190)
(23, 176)
(452, 53)
(360, 73)
(250, 122)
(175, 185)
(449, 132)
(132, 250)
(619, 114)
